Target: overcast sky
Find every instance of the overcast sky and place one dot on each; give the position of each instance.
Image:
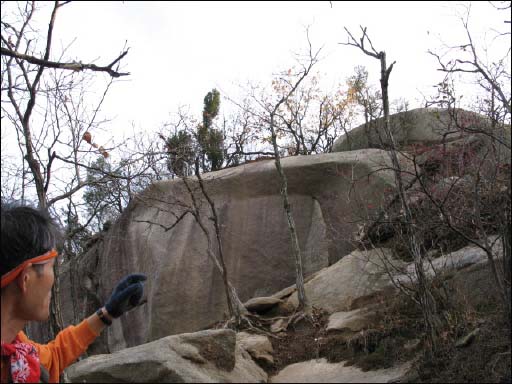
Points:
(181, 50)
(178, 51)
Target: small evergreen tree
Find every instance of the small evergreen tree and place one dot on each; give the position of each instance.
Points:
(211, 141)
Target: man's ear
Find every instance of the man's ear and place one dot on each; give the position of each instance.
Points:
(23, 279)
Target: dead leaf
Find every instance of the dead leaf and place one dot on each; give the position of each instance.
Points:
(87, 137)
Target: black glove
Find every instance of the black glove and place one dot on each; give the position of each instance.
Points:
(126, 295)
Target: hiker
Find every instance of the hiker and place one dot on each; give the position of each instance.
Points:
(29, 241)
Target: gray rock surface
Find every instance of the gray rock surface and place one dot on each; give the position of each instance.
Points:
(261, 304)
(352, 321)
(320, 371)
(202, 357)
(356, 279)
(184, 289)
(258, 346)
(454, 261)
(357, 275)
(424, 126)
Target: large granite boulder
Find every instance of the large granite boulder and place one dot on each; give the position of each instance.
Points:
(425, 127)
(330, 194)
(202, 357)
(360, 279)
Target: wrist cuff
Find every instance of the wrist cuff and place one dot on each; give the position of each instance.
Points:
(103, 318)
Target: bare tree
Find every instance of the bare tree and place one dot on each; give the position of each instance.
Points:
(26, 88)
(487, 192)
(43, 103)
(426, 300)
(244, 134)
(495, 76)
(311, 119)
(368, 99)
(179, 210)
(273, 113)
(235, 306)
(270, 114)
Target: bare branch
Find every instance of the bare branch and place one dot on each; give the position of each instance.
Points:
(360, 44)
(73, 66)
(166, 228)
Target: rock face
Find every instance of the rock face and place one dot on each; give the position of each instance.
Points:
(223, 356)
(339, 287)
(201, 357)
(184, 289)
(346, 288)
(353, 321)
(442, 140)
(261, 304)
(424, 126)
(320, 371)
(258, 346)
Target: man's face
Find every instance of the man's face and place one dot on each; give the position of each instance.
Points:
(35, 301)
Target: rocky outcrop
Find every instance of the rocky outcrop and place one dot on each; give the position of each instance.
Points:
(355, 290)
(359, 278)
(320, 371)
(352, 287)
(329, 194)
(202, 357)
(258, 346)
(425, 126)
(262, 304)
(341, 286)
(353, 321)
(443, 141)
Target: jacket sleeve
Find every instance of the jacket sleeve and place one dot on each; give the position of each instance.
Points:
(68, 345)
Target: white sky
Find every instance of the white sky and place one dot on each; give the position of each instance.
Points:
(181, 50)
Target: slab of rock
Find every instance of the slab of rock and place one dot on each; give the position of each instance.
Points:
(258, 346)
(320, 371)
(261, 304)
(357, 275)
(454, 261)
(359, 278)
(353, 321)
(203, 357)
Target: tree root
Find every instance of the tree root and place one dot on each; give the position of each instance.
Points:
(260, 325)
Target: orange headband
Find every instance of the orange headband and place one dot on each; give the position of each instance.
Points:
(11, 275)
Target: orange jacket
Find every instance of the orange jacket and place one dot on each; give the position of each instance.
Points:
(60, 353)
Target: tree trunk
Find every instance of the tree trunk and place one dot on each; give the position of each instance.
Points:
(303, 304)
(235, 306)
(427, 301)
(507, 260)
(56, 322)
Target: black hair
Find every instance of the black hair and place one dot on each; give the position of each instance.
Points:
(26, 233)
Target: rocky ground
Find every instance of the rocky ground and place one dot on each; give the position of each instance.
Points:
(378, 337)
(396, 339)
